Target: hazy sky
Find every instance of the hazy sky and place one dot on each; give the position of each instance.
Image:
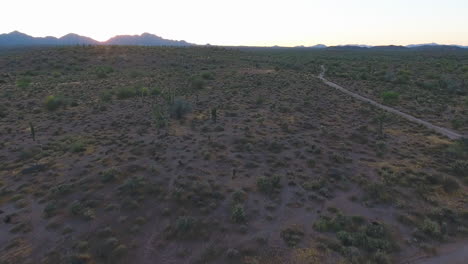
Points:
(247, 22)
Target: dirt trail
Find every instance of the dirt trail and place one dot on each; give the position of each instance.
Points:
(444, 131)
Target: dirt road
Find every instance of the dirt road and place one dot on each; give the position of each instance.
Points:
(441, 130)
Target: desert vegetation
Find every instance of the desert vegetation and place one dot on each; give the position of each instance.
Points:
(216, 155)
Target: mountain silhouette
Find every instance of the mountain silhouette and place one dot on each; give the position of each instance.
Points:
(16, 38)
(144, 39)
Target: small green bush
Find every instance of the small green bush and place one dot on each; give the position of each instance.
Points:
(155, 91)
(207, 76)
(431, 228)
(179, 108)
(390, 97)
(53, 102)
(197, 83)
(460, 168)
(457, 123)
(125, 92)
(264, 185)
(355, 231)
(23, 83)
(268, 185)
(109, 175)
(239, 196)
(77, 146)
(292, 236)
(105, 96)
(238, 214)
(103, 71)
(184, 224)
(450, 185)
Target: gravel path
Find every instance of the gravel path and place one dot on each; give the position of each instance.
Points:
(441, 130)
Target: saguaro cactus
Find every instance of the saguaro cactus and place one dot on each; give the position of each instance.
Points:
(214, 114)
(33, 131)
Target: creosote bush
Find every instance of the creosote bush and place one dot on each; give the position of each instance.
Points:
(390, 97)
(197, 83)
(103, 71)
(292, 236)
(179, 108)
(238, 214)
(355, 231)
(53, 102)
(125, 92)
(23, 83)
(268, 185)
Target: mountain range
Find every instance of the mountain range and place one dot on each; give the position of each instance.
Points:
(391, 47)
(15, 39)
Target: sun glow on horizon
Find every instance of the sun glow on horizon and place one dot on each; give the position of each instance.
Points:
(243, 22)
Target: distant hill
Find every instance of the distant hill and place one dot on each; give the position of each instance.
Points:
(144, 39)
(74, 39)
(15, 39)
(421, 47)
(438, 47)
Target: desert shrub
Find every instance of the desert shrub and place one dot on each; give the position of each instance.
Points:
(457, 123)
(355, 231)
(268, 185)
(3, 111)
(292, 236)
(449, 184)
(185, 227)
(428, 85)
(381, 257)
(450, 85)
(259, 100)
(80, 259)
(459, 149)
(103, 71)
(77, 146)
(106, 246)
(77, 208)
(143, 91)
(431, 228)
(238, 214)
(159, 114)
(105, 96)
(135, 74)
(179, 108)
(155, 91)
(239, 196)
(184, 223)
(207, 76)
(133, 186)
(23, 83)
(197, 83)
(53, 102)
(460, 168)
(50, 208)
(402, 78)
(378, 192)
(109, 175)
(390, 97)
(462, 144)
(275, 147)
(125, 92)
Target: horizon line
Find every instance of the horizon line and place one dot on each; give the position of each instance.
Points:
(226, 45)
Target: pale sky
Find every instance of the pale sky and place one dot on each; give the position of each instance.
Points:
(247, 22)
